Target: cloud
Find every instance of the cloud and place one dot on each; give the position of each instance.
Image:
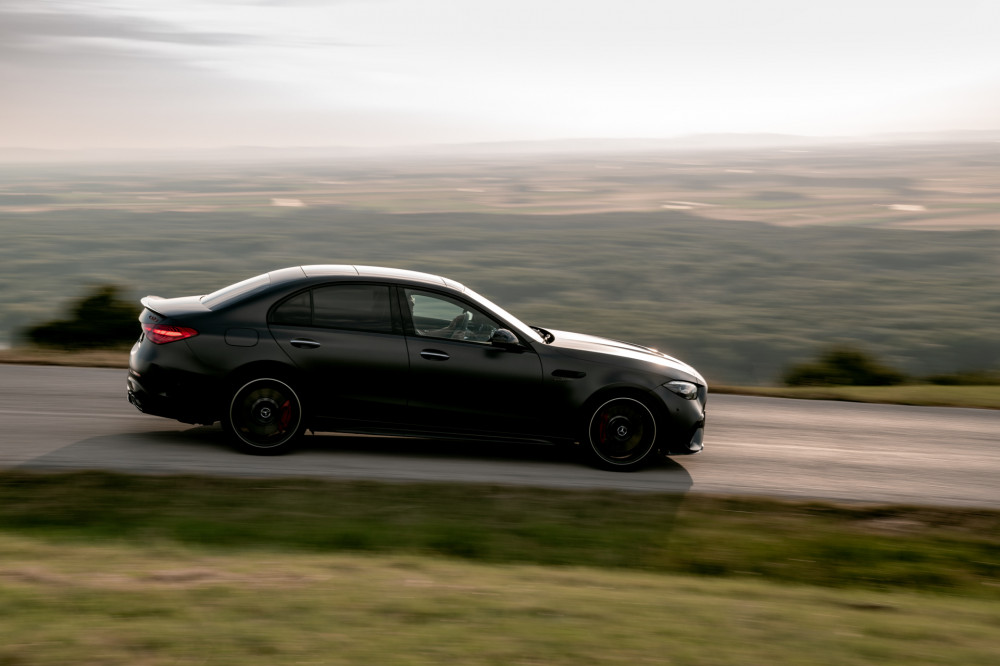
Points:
(223, 71)
(82, 74)
(29, 37)
(30, 27)
(86, 74)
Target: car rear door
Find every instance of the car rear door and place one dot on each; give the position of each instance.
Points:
(347, 340)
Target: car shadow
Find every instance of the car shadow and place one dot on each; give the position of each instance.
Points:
(435, 447)
(205, 450)
(432, 447)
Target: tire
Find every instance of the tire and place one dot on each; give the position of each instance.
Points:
(264, 417)
(621, 434)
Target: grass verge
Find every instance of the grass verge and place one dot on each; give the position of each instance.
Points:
(926, 395)
(90, 358)
(940, 550)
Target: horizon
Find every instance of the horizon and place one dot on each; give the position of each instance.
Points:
(701, 142)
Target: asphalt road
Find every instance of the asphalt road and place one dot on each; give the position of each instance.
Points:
(55, 418)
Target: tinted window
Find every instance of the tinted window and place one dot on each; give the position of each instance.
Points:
(358, 307)
(296, 311)
(438, 316)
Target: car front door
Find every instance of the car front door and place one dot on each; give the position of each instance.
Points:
(349, 345)
(458, 380)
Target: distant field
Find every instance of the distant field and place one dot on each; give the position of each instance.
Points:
(902, 186)
(666, 250)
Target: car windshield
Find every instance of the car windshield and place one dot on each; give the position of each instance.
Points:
(521, 327)
(235, 291)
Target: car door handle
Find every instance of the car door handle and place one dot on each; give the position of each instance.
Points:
(304, 343)
(434, 355)
(569, 374)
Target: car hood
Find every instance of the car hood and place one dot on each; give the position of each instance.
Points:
(585, 346)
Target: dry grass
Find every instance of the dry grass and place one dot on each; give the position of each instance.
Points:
(91, 358)
(157, 604)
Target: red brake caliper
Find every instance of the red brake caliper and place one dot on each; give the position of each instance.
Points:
(286, 414)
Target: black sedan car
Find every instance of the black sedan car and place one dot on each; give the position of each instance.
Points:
(388, 351)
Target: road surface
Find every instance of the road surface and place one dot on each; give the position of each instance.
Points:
(54, 418)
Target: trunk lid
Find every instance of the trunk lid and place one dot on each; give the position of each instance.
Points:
(174, 307)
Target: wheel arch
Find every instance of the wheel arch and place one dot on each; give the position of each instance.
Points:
(597, 453)
(264, 369)
(289, 374)
(268, 422)
(644, 395)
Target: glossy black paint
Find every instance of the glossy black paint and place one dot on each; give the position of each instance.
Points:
(492, 377)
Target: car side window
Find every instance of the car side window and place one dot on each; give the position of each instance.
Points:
(438, 316)
(356, 307)
(353, 307)
(296, 311)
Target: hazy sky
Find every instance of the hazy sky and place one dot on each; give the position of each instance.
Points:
(200, 73)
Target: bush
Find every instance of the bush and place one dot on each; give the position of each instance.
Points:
(843, 366)
(99, 319)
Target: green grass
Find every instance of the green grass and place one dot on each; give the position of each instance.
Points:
(875, 548)
(928, 395)
(99, 568)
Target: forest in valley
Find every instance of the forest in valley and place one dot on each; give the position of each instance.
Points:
(655, 251)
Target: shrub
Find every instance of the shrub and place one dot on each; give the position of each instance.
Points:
(99, 319)
(843, 366)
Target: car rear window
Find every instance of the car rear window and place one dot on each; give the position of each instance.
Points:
(235, 291)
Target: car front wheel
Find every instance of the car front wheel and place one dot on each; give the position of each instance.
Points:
(264, 417)
(621, 434)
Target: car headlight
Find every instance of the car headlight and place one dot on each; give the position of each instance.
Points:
(686, 390)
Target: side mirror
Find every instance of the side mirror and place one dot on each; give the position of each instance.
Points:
(504, 339)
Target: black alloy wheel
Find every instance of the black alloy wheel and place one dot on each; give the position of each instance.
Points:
(265, 417)
(621, 434)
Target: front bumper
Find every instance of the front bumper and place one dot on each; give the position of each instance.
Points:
(695, 444)
(686, 420)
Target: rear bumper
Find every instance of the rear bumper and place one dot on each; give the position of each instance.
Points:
(170, 400)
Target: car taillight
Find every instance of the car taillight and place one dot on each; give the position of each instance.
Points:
(162, 334)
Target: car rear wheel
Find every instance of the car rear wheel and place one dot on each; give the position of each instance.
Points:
(264, 417)
(621, 434)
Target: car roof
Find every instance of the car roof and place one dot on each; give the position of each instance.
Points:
(338, 270)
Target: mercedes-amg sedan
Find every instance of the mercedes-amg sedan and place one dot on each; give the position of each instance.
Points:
(381, 350)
